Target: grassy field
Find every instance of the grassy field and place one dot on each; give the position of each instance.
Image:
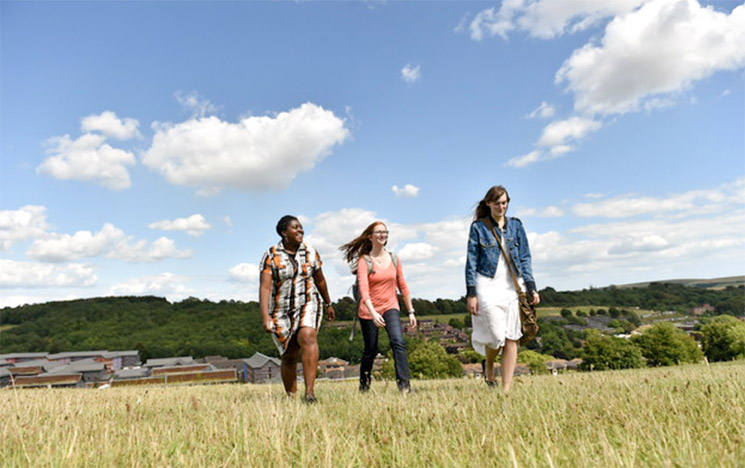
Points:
(688, 416)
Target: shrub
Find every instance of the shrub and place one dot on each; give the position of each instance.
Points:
(428, 360)
(608, 352)
(724, 338)
(665, 345)
(535, 361)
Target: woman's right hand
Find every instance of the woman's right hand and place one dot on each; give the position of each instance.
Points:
(472, 304)
(268, 325)
(378, 320)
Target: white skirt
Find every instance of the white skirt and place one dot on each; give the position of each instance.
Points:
(499, 311)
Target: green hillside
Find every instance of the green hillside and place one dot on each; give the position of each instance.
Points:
(158, 328)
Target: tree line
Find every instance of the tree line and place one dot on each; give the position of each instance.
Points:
(158, 328)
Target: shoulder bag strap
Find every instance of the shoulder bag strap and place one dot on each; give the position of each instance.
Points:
(507, 257)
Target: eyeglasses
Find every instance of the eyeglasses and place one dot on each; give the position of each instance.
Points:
(380, 233)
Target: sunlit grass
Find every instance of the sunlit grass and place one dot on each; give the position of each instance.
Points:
(688, 416)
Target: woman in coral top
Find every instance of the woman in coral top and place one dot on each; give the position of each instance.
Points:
(379, 274)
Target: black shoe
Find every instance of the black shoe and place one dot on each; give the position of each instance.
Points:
(364, 387)
(310, 400)
(406, 388)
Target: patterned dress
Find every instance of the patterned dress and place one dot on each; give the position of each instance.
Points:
(294, 301)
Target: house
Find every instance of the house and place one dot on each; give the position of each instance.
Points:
(89, 369)
(352, 371)
(220, 362)
(703, 309)
(44, 364)
(49, 380)
(180, 369)
(558, 365)
(4, 376)
(127, 374)
(333, 368)
(472, 370)
(15, 358)
(574, 364)
(169, 362)
(450, 338)
(263, 369)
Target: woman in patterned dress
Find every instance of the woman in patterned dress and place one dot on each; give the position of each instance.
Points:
(292, 297)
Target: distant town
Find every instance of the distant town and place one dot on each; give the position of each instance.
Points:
(119, 368)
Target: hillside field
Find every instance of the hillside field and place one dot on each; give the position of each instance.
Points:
(686, 416)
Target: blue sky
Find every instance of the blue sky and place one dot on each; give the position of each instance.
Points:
(151, 147)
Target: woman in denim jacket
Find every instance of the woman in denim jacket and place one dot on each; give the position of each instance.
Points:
(491, 297)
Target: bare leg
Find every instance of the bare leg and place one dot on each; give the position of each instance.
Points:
(509, 361)
(491, 356)
(308, 342)
(289, 367)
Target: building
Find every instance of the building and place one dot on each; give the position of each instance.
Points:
(263, 369)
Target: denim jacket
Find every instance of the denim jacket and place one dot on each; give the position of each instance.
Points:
(483, 252)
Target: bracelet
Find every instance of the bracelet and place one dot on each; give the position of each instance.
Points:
(411, 312)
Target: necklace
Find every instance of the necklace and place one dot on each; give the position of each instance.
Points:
(379, 259)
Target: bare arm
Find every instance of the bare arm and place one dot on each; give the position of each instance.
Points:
(404, 288)
(265, 291)
(323, 289)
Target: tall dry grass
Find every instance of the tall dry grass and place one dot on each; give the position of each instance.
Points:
(688, 416)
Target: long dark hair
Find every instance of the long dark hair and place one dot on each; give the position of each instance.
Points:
(361, 245)
(493, 194)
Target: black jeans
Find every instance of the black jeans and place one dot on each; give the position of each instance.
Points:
(392, 319)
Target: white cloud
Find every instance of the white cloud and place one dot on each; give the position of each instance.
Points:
(548, 212)
(636, 244)
(490, 22)
(408, 190)
(195, 104)
(109, 241)
(194, 225)
(245, 273)
(650, 52)
(88, 158)
(658, 49)
(694, 201)
(256, 153)
(333, 229)
(417, 251)
(165, 284)
(558, 133)
(110, 125)
(545, 111)
(65, 247)
(411, 74)
(529, 158)
(141, 251)
(556, 137)
(429, 251)
(546, 18)
(38, 275)
(28, 222)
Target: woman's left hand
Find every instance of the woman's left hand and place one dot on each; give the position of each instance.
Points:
(536, 299)
(330, 313)
(412, 322)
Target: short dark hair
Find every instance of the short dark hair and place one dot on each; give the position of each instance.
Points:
(283, 222)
